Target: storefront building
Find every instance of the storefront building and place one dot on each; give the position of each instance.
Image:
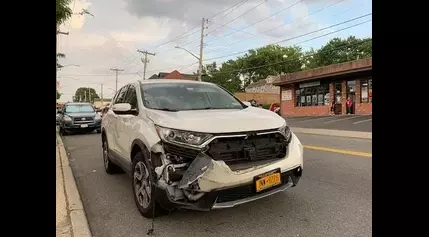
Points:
(311, 92)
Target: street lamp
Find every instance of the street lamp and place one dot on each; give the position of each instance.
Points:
(200, 70)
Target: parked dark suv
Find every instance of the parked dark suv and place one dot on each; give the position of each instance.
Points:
(78, 117)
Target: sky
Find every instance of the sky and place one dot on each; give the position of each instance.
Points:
(111, 36)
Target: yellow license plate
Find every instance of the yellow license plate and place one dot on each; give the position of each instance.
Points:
(268, 181)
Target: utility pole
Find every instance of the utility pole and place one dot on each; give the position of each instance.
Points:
(89, 94)
(85, 96)
(145, 61)
(200, 70)
(116, 70)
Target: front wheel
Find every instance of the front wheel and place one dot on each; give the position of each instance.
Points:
(143, 187)
(109, 167)
(98, 130)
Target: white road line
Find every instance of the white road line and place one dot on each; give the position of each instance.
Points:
(363, 121)
(314, 119)
(336, 120)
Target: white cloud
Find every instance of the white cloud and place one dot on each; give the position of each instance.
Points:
(120, 27)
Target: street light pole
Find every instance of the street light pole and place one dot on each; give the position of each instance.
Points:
(200, 58)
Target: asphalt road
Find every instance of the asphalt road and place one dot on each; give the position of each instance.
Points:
(333, 198)
(361, 123)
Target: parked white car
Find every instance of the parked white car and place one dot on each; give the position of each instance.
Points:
(193, 145)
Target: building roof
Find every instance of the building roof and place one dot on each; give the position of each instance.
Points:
(261, 82)
(173, 75)
(327, 71)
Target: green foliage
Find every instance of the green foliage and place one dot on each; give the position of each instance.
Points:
(341, 50)
(63, 11)
(58, 95)
(85, 94)
(256, 64)
(266, 106)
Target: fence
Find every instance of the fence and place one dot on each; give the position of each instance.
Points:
(261, 98)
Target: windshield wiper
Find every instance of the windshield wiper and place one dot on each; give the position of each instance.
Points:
(205, 108)
(166, 109)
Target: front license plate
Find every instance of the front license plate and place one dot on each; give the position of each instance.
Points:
(268, 180)
(84, 125)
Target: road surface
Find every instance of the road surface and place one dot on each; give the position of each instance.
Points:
(361, 123)
(333, 198)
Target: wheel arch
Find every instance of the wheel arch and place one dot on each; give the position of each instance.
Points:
(136, 146)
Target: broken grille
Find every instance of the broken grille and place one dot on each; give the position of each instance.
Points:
(234, 150)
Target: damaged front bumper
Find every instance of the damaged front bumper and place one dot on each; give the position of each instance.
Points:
(206, 184)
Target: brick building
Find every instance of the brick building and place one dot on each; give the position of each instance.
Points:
(310, 92)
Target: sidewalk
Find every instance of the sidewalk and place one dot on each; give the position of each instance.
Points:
(71, 219)
(335, 133)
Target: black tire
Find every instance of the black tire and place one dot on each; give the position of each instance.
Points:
(147, 210)
(98, 130)
(109, 167)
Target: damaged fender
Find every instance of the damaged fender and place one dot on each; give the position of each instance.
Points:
(196, 170)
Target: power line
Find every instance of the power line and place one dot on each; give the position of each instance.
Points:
(251, 9)
(145, 61)
(116, 70)
(299, 36)
(292, 21)
(235, 5)
(197, 30)
(276, 13)
(291, 59)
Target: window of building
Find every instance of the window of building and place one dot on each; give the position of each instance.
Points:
(297, 98)
(366, 91)
(312, 96)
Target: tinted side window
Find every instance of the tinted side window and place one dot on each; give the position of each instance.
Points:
(131, 97)
(121, 95)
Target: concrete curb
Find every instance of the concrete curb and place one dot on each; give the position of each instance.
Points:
(79, 222)
(335, 133)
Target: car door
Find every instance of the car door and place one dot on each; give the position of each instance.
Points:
(128, 122)
(113, 122)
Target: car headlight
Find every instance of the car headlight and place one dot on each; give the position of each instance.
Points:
(285, 130)
(182, 137)
(67, 118)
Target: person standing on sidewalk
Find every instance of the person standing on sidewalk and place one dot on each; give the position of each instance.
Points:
(332, 108)
(349, 104)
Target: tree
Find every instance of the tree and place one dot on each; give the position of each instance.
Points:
(260, 63)
(63, 11)
(340, 50)
(85, 94)
(226, 76)
(58, 95)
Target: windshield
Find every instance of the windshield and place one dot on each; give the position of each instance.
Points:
(187, 96)
(78, 109)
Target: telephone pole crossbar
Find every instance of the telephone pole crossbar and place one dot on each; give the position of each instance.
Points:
(145, 61)
(116, 70)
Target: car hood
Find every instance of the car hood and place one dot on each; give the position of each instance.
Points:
(77, 115)
(217, 121)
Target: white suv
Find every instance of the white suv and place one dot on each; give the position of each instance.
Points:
(193, 145)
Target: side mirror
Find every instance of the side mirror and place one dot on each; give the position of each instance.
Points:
(123, 108)
(247, 103)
